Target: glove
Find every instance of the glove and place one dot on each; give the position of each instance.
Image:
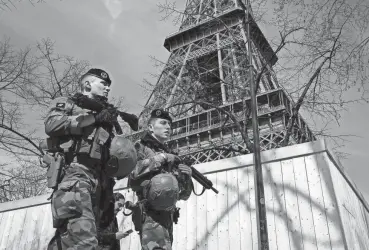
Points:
(160, 158)
(131, 119)
(172, 159)
(163, 158)
(184, 169)
(105, 116)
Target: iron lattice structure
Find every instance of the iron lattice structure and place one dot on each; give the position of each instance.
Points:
(207, 70)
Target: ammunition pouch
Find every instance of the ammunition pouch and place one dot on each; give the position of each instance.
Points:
(55, 173)
(66, 203)
(56, 158)
(100, 138)
(51, 145)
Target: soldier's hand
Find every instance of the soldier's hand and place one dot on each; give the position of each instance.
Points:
(160, 158)
(105, 116)
(184, 169)
(120, 235)
(167, 158)
(172, 159)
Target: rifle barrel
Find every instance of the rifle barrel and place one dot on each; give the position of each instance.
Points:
(215, 190)
(208, 184)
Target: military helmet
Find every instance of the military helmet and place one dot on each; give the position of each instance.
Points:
(123, 157)
(163, 192)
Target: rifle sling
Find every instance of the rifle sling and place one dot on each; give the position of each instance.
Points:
(193, 190)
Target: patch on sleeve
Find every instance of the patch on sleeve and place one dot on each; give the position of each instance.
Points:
(60, 104)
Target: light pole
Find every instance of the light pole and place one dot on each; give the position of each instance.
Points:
(262, 226)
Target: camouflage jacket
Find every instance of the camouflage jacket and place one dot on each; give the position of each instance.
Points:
(69, 123)
(147, 167)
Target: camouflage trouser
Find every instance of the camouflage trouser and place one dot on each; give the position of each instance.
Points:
(72, 209)
(157, 231)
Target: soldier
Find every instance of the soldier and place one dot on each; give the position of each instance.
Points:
(109, 234)
(75, 130)
(159, 180)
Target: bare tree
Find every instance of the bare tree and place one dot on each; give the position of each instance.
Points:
(57, 75)
(8, 5)
(327, 58)
(323, 54)
(25, 181)
(16, 73)
(29, 80)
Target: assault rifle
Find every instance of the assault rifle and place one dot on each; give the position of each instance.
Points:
(200, 178)
(101, 103)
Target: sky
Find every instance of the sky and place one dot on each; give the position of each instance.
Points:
(119, 37)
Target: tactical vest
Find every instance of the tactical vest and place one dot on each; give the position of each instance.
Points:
(85, 143)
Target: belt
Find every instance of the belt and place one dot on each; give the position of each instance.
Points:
(86, 160)
(87, 163)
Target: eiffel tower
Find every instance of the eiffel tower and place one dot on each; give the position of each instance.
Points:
(208, 70)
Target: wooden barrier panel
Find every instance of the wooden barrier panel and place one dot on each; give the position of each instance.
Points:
(306, 209)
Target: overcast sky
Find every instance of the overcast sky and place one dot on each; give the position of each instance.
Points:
(120, 38)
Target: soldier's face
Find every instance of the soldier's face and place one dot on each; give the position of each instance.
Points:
(99, 87)
(160, 128)
(118, 205)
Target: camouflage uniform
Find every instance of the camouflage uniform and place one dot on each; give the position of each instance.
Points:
(155, 227)
(74, 206)
(108, 222)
